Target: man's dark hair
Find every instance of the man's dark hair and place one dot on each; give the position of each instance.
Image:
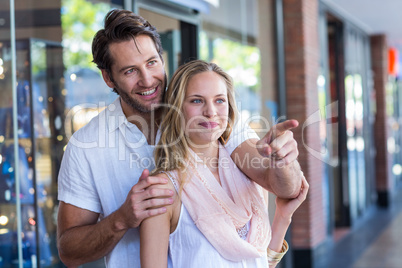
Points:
(121, 25)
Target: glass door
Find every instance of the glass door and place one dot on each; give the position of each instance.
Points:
(48, 141)
(337, 133)
(358, 123)
(177, 25)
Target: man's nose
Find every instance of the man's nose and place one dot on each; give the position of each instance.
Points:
(146, 78)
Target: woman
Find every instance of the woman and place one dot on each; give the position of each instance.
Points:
(219, 217)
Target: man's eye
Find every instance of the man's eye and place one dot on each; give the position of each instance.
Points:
(152, 62)
(130, 71)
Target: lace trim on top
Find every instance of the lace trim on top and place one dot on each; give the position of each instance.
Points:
(243, 231)
(172, 179)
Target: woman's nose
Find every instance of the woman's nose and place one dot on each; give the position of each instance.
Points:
(209, 110)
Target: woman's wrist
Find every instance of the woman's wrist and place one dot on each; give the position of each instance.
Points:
(283, 219)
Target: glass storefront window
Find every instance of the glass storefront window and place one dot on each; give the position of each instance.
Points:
(396, 127)
(228, 37)
(38, 152)
(357, 124)
(85, 91)
(45, 56)
(393, 96)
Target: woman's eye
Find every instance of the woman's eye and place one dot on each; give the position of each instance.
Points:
(196, 101)
(220, 101)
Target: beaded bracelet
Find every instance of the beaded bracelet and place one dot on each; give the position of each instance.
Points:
(275, 257)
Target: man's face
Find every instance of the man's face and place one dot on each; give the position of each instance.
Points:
(138, 75)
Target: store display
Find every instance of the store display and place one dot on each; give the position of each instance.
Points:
(39, 147)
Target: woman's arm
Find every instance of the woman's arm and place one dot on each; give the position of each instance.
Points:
(283, 217)
(154, 235)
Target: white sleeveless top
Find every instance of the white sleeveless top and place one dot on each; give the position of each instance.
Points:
(188, 247)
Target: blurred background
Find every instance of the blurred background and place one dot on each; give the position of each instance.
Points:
(334, 65)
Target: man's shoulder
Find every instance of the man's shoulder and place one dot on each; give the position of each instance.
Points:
(90, 135)
(98, 124)
(101, 121)
(88, 130)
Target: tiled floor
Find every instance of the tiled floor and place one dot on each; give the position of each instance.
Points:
(375, 244)
(386, 251)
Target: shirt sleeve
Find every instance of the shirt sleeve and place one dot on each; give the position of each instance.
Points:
(240, 133)
(76, 186)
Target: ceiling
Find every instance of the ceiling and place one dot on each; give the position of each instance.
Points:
(374, 17)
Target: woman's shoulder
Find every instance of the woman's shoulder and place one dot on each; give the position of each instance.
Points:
(169, 185)
(162, 175)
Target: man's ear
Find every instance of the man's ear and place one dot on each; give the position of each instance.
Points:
(107, 79)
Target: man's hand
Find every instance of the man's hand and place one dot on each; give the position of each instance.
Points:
(279, 144)
(143, 202)
(82, 238)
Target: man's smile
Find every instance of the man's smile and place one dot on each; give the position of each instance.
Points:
(149, 92)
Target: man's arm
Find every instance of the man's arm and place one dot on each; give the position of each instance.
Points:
(82, 238)
(272, 161)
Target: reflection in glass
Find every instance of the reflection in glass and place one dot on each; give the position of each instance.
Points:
(230, 40)
(84, 85)
(355, 123)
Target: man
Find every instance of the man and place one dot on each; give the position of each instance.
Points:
(103, 180)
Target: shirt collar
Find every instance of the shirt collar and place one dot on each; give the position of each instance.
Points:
(115, 116)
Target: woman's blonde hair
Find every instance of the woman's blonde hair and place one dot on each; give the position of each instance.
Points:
(172, 150)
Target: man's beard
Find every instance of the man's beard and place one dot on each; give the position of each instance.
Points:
(132, 102)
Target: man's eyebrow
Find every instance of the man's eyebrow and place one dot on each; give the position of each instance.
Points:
(134, 66)
(153, 57)
(127, 67)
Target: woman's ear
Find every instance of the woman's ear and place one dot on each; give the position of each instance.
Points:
(106, 78)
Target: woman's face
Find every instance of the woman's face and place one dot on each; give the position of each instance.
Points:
(205, 108)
